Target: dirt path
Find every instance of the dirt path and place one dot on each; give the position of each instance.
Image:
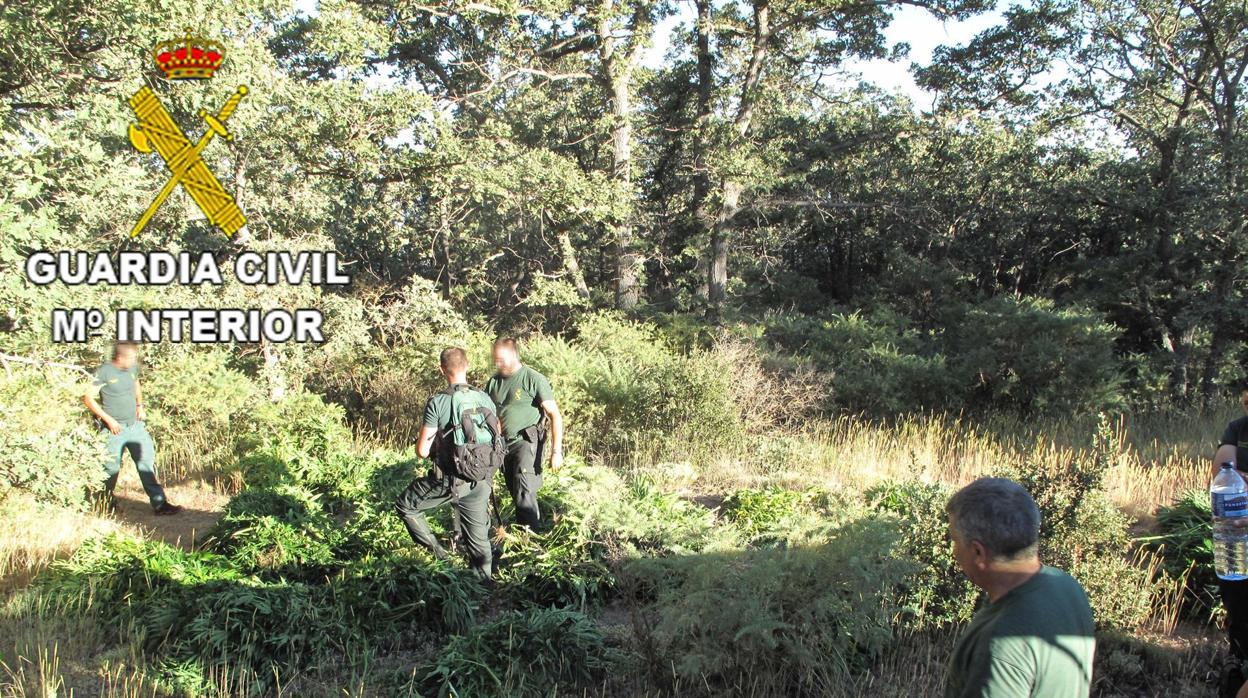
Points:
(201, 507)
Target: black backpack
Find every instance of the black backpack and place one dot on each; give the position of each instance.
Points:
(472, 447)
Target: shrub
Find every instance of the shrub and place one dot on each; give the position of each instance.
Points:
(1021, 354)
(1185, 542)
(879, 364)
(284, 530)
(1030, 355)
(560, 568)
(1082, 532)
(776, 621)
(534, 652)
(386, 593)
(197, 404)
(630, 392)
(635, 517)
(938, 594)
(48, 445)
(299, 440)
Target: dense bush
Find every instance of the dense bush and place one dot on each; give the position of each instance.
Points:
(938, 594)
(636, 517)
(775, 621)
(284, 530)
(300, 440)
(1026, 355)
(879, 364)
(628, 390)
(197, 409)
(49, 446)
(1030, 355)
(535, 652)
(1083, 533)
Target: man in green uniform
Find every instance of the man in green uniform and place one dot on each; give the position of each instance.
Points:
(470, 499)
(116, 400)
(1035, 638)
(524, 397)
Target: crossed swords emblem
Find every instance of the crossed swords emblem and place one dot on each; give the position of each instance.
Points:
(184, 160)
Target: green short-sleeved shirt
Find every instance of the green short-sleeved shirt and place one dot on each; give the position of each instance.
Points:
(1035, 642)
(1236, 435)
(519, 398)
(117, 396)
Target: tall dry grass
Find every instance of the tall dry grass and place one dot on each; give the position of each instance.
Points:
(1154, 459)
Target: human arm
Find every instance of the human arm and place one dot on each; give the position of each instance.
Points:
(139, 413)
(551, 408)
(1225, 452)
(428, 429)
(424, 441)
(1227, 447)
(93, 406)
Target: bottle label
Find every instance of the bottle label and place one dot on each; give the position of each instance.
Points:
(1230, 505)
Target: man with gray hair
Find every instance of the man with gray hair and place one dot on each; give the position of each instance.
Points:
(1035, 638)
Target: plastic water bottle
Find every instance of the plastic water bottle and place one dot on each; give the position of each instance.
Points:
(1229, 494)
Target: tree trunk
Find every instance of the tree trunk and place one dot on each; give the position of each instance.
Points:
(731, 189)
(627, 290)
(571, 265)
(619, 61)
(445, 279)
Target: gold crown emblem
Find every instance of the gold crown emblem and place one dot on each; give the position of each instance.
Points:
(189, 58)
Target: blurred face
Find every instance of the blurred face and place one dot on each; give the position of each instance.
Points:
(126, 356)
(506, 360)
(1243, 400)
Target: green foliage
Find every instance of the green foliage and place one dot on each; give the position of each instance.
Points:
(1033, 356)
(797, 618)
(1185, 542)
(197, 401)
(757, 510)
(300, 440)
(629, 389)
(1083, 533)
(938, 594)
(879, 364)
(387, 594)
(561, 568)
(535, 652)
(636, 516)
(1025, 355)
(48, 446)
(284, 530)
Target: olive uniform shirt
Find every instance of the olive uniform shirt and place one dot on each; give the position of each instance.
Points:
(117, 396)
(1037, 641)
(519, 398)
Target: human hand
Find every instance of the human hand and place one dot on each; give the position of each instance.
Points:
(140, 413)
(556, 458)
(113, 426)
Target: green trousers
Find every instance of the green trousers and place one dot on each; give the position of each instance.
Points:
(473, 507)
(522, 470)
(135, 439)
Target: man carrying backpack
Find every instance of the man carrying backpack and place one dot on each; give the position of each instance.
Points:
(463, 434)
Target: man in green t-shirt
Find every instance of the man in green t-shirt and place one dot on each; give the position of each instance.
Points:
(470, 499)
(531, 420)
(1035, 638)
(116, 400)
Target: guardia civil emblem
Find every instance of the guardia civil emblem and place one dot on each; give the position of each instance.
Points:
(188, 58)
